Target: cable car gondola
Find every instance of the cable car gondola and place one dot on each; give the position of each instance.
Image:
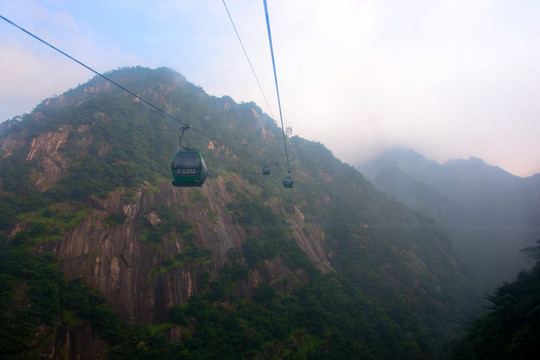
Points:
(288, 182)
(266, 170)
(188, 167)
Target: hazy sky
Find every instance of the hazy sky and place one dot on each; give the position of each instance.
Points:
(447, 78)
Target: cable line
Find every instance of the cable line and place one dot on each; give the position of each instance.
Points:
(247, 58)
(275, 78)
(117, 84)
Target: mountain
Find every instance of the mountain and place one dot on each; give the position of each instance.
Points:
(490, 213)
(101, 257)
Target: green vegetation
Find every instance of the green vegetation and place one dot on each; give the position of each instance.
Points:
(52, 222)
(30, 294)
(17, 193)
(324, 319)
(190, 253)
(171, 226)
(267, 233)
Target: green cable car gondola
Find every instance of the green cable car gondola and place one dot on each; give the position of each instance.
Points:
(288, 182)
(266, 170)
(188, 167)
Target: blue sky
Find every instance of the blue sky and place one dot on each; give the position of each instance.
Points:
(448, 78)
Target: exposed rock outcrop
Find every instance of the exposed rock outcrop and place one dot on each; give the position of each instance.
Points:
(77, 342)
(52, 163)
(130, 271)
(312, 240)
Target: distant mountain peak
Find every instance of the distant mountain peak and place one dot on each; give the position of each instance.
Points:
(403, 153)
(471, 160)
(476, 167)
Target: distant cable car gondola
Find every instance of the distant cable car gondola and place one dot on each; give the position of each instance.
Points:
(188, 167)
(266, 170)
(288, 181)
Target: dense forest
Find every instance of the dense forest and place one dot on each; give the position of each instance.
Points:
(240, 268)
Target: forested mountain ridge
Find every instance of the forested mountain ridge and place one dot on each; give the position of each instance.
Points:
(490, 213)
(101, 257)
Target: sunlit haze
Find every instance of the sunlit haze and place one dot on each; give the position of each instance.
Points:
(448, 78)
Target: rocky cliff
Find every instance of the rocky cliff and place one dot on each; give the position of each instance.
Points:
(143, 281)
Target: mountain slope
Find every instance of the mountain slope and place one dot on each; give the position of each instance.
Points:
(490, 213)
(238, 268)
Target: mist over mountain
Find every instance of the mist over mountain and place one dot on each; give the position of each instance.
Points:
(490, 213)
(101, 257)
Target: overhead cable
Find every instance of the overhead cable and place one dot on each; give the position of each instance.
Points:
(247, 57)
(275, 78)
